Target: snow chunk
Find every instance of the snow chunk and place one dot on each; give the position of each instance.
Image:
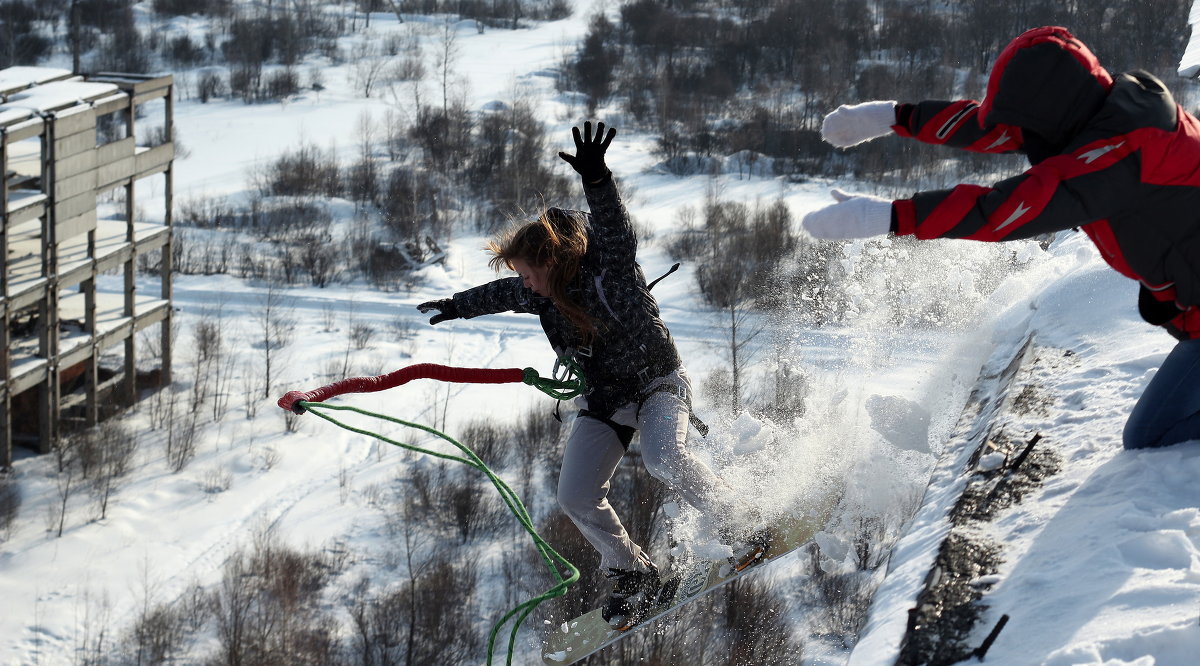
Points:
(990, 461)
(902, 422)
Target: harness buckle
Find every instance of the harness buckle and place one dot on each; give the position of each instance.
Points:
(644, 376)
(585, 352)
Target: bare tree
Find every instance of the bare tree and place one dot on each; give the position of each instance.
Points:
(370, 67)
(115, 446)
(64, 485)
(222, 377)
(207, 350)
(92, 644)
(10, 504)
(447, 53)
(181, 441)
(275, 328)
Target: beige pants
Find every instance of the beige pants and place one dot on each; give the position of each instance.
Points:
(593, 452)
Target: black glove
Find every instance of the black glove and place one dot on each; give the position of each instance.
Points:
(588, 159)
(445, 307)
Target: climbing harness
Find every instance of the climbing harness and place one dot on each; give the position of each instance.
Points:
(569, 385)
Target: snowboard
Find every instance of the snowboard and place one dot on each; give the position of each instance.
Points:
(589, 633)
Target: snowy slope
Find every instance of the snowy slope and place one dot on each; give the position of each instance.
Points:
(1101, 565)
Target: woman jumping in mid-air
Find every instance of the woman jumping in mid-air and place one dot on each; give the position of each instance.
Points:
(577, 272)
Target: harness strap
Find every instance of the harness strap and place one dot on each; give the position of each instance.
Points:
(672, 270)
(682, 393)
(624, 433)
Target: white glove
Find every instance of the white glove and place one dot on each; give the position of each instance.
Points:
(853, 216)
(851, 125)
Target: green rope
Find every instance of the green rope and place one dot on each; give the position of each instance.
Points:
(549, 555)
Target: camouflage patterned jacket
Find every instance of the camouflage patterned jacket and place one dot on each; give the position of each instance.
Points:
(632, 345)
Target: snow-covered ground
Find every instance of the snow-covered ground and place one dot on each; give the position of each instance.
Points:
(1102, 565)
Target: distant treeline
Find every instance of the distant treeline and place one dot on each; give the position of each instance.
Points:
(723, 76)
(103, 35)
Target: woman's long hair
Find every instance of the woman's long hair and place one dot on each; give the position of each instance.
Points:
(558, 239)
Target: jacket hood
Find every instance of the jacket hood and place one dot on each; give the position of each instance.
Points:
(1048, 83)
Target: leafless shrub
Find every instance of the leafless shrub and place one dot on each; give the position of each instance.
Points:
(582, 597)
(491, 442)
(409, 625)
(267, 457)
(782, 392)
(424, 481)
(181, 442)
(10, 504)
(123, 48)
(223, 369)
(502, 164)
(68, 452)
(759, 632)
(195, 606)
(180, 424)
(182, 51)
(846, 598)
(388, 265)
(268, 609)
(163, 406)
(214, 8)
(842, 600)
(537, 434)
(373, 494)
(410, 202)
(333, 369)
(251, 396)
(291, 421)
(402, 329)
(466, 504)
(114, 446)
(207, 213)
(307, 171)
(380, 636)
(275, 330)
(92, 643)
(344, 486)
(206, 353)
(216, 480)
(281, 83)
(329, 317)
(199, 253)
(210, 86)
(158, 635)
(361, 334)
(370, 68)
(870, 542)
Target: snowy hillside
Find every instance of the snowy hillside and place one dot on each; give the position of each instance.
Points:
(1100, 564)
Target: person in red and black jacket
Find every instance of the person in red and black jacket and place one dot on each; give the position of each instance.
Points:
(1115, 157)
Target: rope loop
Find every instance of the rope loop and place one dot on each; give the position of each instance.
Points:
(569, 384)
(565, 573)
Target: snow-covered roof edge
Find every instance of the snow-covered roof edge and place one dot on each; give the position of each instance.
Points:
(13, 78)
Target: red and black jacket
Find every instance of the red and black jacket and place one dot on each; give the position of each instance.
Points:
(1116, 158)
